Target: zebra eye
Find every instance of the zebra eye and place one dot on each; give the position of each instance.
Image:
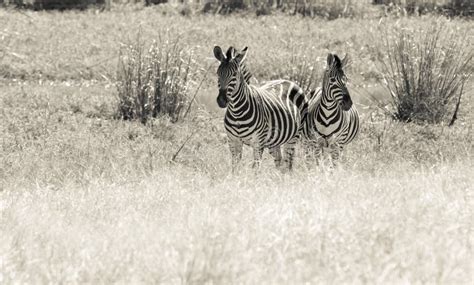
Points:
(332, 80)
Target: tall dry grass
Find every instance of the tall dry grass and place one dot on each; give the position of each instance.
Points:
(85, 198)
(89, 199)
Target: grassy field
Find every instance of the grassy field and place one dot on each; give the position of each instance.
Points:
(86, 198)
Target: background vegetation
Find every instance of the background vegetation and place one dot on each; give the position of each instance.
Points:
(154, 81)
(425, 70)
(87, 197)
(330, 9)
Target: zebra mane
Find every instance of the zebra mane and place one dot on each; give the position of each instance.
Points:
(246, 74)
(231, 55)
(335, 65)
(334, 70)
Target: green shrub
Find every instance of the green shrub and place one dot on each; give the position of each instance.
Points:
(155, 81)
(424, 70)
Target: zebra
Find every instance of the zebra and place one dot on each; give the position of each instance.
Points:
(332, 120)
(269, 116)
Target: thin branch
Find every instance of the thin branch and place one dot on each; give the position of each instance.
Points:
(173, 158)
(181, 147)
(197, 89)
(455, 115)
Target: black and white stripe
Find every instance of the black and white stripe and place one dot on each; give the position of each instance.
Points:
(332, 121)
(263, 117)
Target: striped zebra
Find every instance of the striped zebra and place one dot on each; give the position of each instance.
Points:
(269, 116)
(332, 121)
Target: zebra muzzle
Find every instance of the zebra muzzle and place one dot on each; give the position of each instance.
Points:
(346, 103)
(222, 99)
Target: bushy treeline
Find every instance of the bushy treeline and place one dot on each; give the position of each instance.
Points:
(447, 7)
(311, 8)
(326, 8)
(54, 4)
(341, 8)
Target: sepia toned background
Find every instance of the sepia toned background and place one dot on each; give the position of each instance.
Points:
(115, 168)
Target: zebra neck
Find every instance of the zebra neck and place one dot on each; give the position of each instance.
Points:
(327, 115)
(246, 73)
(328, 103)
(240, 96)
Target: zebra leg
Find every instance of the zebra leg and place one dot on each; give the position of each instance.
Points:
(319, 150)
(257, 156)
(312, 152)
(290, 152)
(236, 152)
(276, 153)
(335, 153)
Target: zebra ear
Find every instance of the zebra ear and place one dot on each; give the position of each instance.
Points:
(242, 55)
(345, 60)
(219, 54)
(230, 54)
(330, 59)
(337, 62)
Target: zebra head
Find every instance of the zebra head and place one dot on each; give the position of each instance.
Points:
(230, 72)
(334, 82)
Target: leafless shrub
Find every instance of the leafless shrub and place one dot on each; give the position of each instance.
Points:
(302, 70)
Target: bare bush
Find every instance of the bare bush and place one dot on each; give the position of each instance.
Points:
(155, 81)
(301, 69)
(424, 70)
